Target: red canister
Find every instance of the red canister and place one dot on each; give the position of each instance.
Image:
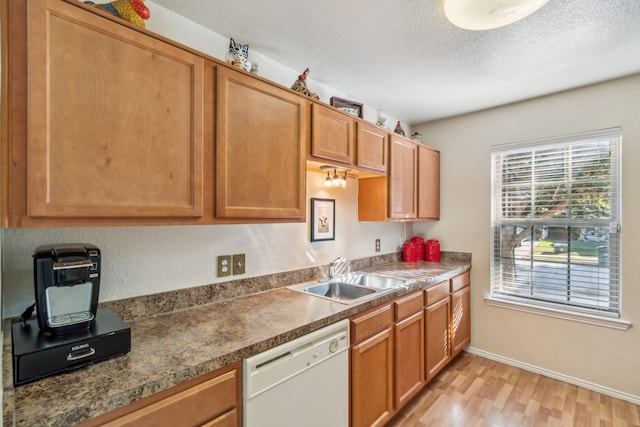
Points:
(432, 248)
(419, 242)
(409, 252)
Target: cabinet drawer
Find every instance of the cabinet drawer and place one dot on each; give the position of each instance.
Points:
(194, 406)
(370, 323)
(408, 305)
(460, 281)
(435, 293)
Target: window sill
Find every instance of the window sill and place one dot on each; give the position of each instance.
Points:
(606, 322)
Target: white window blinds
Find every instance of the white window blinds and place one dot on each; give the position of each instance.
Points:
(556, 222)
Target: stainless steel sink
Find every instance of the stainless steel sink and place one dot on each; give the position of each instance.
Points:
(376, 281)
(339, 291)
(353, 287)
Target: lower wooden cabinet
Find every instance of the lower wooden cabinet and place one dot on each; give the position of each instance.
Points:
(460, 315)
(372, 367)
(398, 347)
(437, 329)
(409, 347)
(214, 399)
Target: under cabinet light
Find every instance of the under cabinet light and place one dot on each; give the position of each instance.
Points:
(336, 180)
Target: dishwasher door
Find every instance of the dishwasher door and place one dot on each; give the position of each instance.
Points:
(304, 382)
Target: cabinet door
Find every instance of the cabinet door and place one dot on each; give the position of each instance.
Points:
(402, 178)
(371, 147)
(438, 346)
(460, 320)
(115, 119)
(332, 135)
(372, 380)
(262, 136)
(428, 183)
(409, 357)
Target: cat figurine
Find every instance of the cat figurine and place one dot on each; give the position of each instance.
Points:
(239, 50)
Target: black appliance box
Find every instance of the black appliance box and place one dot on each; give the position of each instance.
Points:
(37, 355)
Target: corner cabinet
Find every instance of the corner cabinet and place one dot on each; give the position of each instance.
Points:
(108, 124)
(411, 189)
(262, 135)
(393, 197)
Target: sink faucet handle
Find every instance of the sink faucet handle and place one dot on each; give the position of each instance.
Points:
(339, 267)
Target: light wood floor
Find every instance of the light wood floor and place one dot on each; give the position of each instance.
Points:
(474, 391)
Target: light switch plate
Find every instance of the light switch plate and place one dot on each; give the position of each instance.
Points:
(238, 264)
(224, 265)
(377, 245)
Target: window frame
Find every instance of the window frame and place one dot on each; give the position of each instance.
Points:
(513, 296)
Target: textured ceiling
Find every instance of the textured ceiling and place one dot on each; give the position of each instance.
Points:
(405, 58)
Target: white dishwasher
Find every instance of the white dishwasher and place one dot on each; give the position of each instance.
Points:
(301, 383)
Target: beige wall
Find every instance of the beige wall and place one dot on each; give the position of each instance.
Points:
(605, 357)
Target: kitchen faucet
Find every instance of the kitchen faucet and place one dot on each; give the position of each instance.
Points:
(339, 267)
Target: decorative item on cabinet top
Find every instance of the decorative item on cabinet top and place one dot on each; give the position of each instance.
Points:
(300, 85)
(133, 11)
(399, 129)
(238, 55)
(351, 107)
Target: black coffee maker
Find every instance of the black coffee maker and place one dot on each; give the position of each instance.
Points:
(67, 285)
(70, 331)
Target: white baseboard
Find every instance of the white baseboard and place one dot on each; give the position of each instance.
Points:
(555, 375)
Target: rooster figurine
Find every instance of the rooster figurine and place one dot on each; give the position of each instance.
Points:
(300, 85)
(133, 11)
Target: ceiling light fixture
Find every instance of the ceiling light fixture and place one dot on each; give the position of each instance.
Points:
(335, 180)
(489, 14)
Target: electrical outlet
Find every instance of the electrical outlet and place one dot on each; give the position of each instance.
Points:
(224, 265)
(377, 245)
(238, 264)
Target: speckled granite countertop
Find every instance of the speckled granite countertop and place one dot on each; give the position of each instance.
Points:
(172, 348)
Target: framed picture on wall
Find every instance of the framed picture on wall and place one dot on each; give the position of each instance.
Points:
(323, 219)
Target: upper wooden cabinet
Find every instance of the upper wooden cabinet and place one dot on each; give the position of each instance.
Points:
(341, 140)
(372, 147)
(332, 135)
(393, 197)
(428, 183)
(403, 167)
(262, 135)
(411, 189)
(106, 122)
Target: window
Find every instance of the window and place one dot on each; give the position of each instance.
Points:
(555, 223)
